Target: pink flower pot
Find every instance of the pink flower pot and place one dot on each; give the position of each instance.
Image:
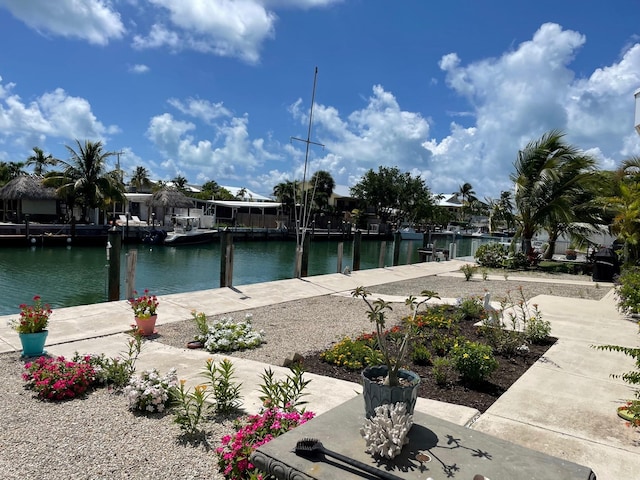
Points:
(147, 326)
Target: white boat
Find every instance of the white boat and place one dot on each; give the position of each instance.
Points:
(187, 231)
(409, 233)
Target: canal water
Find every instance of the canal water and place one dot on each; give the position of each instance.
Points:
(73, 275)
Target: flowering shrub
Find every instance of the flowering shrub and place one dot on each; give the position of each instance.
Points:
(144, 306)
(149, 392)
(474, 361)
(225, 335)
(354, 354)
(59, 379)
(33, 318)
(256, 430)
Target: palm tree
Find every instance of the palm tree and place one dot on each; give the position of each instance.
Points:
(624, 206)
(549, 175)
(9, 171)
(85, 181)
(40, 161)
(140, 179)
(180, 183)
(323, 184)
(468, 197)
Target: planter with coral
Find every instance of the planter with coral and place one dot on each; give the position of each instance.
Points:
(376, 393)
(33, 343)
(146, 325)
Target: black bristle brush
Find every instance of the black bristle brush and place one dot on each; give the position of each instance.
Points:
(313, 448)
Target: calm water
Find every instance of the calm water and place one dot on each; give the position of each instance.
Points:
(69, 276)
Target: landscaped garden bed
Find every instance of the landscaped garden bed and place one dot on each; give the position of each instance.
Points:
(459, 360)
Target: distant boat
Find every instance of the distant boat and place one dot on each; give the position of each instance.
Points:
(409, 233)
(187, 231)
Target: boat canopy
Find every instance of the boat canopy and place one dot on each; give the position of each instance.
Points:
(241, 204)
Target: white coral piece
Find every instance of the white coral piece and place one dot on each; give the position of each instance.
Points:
(386, 433)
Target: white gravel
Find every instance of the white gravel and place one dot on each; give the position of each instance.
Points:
(98, 437)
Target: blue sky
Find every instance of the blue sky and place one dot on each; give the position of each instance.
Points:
(215, 89)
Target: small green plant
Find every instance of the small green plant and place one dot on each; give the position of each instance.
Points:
(469, 271)
(189, 407)
(472, 308)
(200, 320)
(536, 329)
(421, 355)
(225, 391)
(117, 371)
(286, 393)
(485, 273)
(443, 371)
(474, 361)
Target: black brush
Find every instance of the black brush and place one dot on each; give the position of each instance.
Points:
(313, 448)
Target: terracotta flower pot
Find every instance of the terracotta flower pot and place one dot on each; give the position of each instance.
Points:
(147, 326)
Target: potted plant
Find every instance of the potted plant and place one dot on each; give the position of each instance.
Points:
(389, 383)
(570, 253)
(32, 327)
(144, 308)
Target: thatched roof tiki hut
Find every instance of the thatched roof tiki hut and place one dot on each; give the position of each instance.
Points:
(26, 195)
(168, 199)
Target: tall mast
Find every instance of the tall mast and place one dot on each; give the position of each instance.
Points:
(302, 218)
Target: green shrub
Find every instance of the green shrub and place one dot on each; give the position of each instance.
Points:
(225, 390)
(472, 308)
(491, 255)
(516, 261)
(628, 290)
(469, 270)
(473, 361)
(443, 371)
(421, 355)
(536, 330)
(353, 354)
(503, 341)
(284, 394)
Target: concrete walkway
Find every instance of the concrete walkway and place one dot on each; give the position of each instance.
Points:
(565, 405)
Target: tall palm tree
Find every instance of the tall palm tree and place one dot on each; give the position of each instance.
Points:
(322, 184)
(40, 161)
(9, 171)
(85, 180)
(140, 179)
(468, 197)
(544, 186)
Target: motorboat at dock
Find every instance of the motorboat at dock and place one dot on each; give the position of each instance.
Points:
(187, 231)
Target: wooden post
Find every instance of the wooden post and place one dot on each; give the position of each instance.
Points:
(132, 259)
(230, 250)
(340, 253)
(409, 252)
(357, 241)
(396, 248)
(383, 254)
(115, 242)
(225, 240)
(304, 267)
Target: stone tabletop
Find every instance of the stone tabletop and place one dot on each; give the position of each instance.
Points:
(436, 449)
